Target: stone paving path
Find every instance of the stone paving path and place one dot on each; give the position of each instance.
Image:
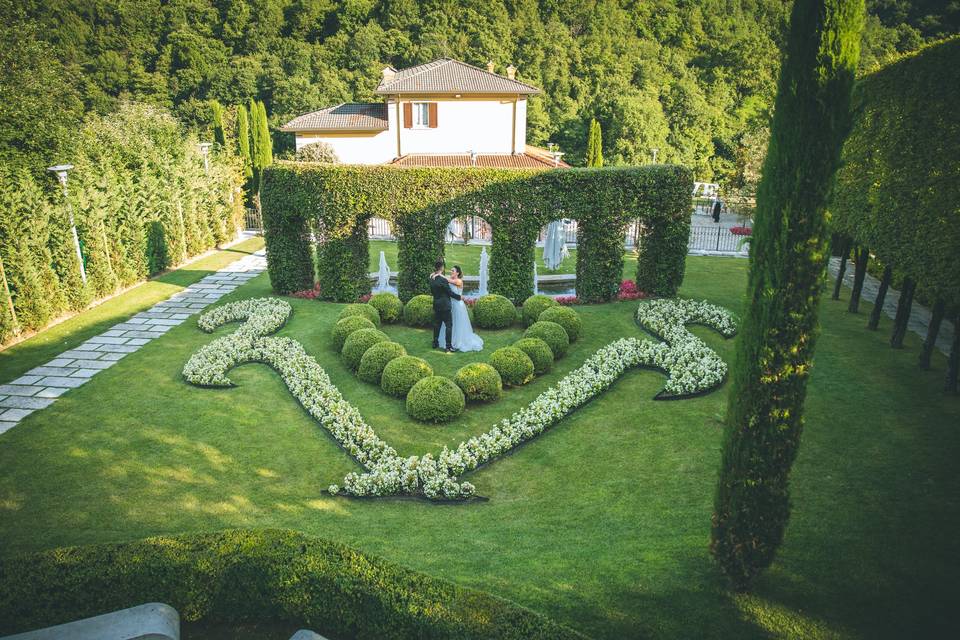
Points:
(919, 315)
(41, 386)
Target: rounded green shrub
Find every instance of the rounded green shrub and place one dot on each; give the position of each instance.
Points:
(418, 311)
(534, 306)
(566, 318)
(368, 311)
(402, 373)
(494, 312)
(539, 352)
(479, 382)
(346, 326)
(376, 358)
(514, 366)
(357, 344)
(389, 306)
(552, 333)
(435, 399)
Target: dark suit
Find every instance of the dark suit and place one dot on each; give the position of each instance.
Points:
(440, 289)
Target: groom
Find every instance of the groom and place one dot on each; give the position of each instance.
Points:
(440, 289)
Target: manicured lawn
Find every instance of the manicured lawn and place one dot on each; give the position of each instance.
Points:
(468, 257)
(602, 523)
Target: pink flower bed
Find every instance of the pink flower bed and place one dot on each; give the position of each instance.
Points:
(629, 291)
(741, 231)
(308, 294)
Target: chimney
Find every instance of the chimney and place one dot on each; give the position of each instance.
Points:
(473, 158)
(512, 72)
(388, 74)
(490, 66)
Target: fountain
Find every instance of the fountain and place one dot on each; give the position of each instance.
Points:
(484, 265)
(383, 276)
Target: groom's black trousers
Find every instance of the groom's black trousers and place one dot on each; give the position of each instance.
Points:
(442, 316)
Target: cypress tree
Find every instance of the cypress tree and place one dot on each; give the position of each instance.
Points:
(595, 145)
(787, 263)
(243, 141)
(265, 138)
(255, 146)
(219, 136)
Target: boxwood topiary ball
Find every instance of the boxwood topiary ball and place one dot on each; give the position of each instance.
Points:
(345, 327)
(494, 312)
(552, 333)
(566, 318)
(514, 366)
(435, 399)
(534, 306)
(357, 344)
(419, 311)
(361, 309)
(479, 382)
(388, 305)
(539, 352)
(402, 373)
(376, 358)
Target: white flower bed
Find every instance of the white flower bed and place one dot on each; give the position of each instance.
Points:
(691, 365)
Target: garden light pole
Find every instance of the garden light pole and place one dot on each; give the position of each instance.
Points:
(61, 172)
(205, 152)
(654, 150)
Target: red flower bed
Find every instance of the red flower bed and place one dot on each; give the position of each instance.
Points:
(629, 291)
(741, 231)
(308, 294)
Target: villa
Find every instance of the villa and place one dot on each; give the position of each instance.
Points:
(443, 113)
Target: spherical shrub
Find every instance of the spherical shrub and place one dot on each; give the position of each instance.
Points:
(388, 305)
(376, 358)
(514, 366)
(345, 327)
(435, 399)
(566, 318)
(552, 333)
(419, 311)
(357, 344)
(534, 306)
(494, 312)
(402, 373)
(480, 382)
(361, 309)
(539, 352)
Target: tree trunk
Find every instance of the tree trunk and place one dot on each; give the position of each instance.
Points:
(936, 317)
(953, 363)
(902, 318)
(862, 256)
(844, 252)
(874, 321)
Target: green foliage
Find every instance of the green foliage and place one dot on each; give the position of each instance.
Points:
(157, 257)
(321, 152)
(479, 382)
(539, 351)
(551, 333)
(494, 312)
(402, 373)
(595, 145)
(345, 326)
(389, 306)
(514, 366)
(368, 311)
(243, 141)
(435, 399)
(788, 257)
(534, 306)
(216, 123)
(566, 318)
(897, 190)
(337, 202)
(418, 312)
(376, 358)
(271, 575)
(357, 344)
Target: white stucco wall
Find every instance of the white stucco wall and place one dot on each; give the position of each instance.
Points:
(356, 148)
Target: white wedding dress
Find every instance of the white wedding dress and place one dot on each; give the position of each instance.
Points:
(464, 339)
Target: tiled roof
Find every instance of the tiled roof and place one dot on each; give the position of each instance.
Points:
(349, 116)
(491, 160)
(451, 76)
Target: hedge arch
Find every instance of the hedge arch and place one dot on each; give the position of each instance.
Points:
(334, 203)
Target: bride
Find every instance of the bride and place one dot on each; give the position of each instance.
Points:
(464, 339)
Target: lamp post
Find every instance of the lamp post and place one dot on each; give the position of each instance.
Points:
(205, 152)
(654, 150)
(60, 171)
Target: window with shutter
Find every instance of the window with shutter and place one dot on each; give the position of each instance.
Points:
(407, 115)
(432, 117)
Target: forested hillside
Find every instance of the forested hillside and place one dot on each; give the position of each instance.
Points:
(693, 79)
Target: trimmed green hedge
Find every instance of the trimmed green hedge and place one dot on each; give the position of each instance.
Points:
(402, 373)
(418, 312)
(534, 306)
(357, 344)
(514, 366)
(435, 399)
(272, 575)
(539, 352)
(368, 311)
(493, 311)
(345, 326)
(389, 306)
(552, 333)
(338, 201)
(566, 318)
(376, 358)
(480, 382)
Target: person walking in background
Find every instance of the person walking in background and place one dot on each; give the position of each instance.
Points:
(717, 205)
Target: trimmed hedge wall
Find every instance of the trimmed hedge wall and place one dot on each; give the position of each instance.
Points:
(336, 202)
(272, 575)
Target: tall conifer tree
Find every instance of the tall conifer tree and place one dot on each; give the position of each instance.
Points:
(595, 145)
(219, 135)
(788, 256)
(243, 140)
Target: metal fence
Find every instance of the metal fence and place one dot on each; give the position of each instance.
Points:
(252, 220)
(716, 239)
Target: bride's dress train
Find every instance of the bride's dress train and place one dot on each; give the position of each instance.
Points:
(464, 339)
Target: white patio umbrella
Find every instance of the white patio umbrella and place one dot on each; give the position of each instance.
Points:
(553, 244)
(383, 275)
(484, 267)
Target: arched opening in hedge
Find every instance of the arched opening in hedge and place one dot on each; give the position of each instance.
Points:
(466, 236)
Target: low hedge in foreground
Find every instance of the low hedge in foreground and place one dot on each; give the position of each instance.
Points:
(271, 575)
